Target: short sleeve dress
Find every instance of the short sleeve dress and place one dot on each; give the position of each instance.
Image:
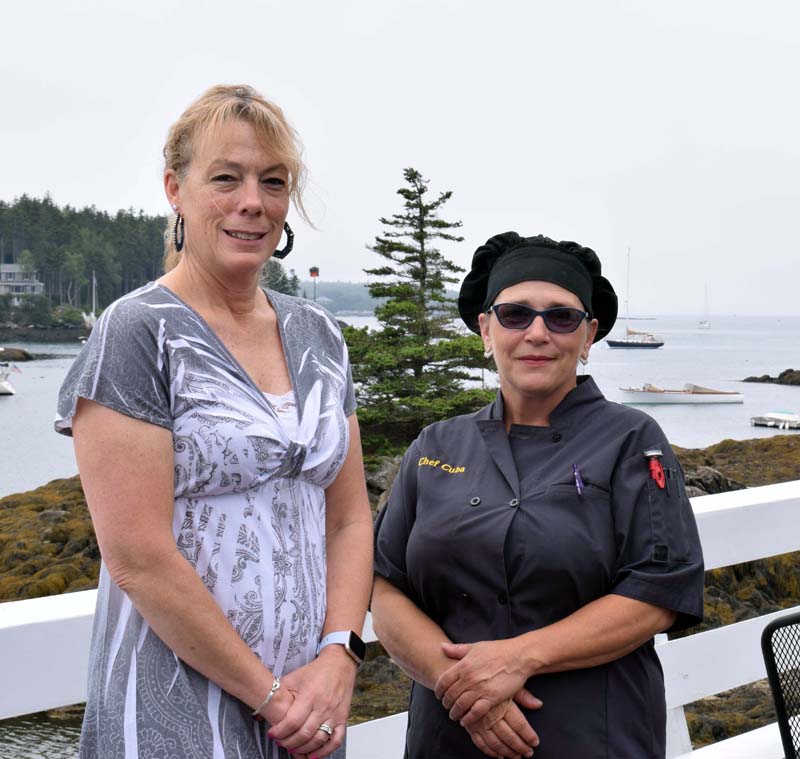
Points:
(249, 514)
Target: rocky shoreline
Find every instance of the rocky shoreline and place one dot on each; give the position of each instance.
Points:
(14, 334)
(786, 377)
(47, 547)
(15, 354)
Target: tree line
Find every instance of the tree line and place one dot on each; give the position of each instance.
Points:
(65, 245)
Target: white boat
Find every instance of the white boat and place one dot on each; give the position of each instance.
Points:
(6, 388)
(689, 394)
(781, 420)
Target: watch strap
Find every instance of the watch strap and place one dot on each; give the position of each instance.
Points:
(349, 640)
(340, 636)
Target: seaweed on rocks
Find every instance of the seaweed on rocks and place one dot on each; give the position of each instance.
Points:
(47, 546)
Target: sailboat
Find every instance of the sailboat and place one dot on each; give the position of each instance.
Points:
(633, 338)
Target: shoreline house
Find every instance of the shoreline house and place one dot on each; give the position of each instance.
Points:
(17, 282)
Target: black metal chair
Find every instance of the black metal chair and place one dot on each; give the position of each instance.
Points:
(780, 644)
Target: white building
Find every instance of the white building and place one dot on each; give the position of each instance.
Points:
(16, 282)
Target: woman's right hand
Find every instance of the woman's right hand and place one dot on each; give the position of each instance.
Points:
(277, 709)
(504, 733)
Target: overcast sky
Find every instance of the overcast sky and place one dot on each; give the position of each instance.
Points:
(672, 128)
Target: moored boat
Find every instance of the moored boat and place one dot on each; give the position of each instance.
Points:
(689, 394)
(635, 339)
(6, 388)
(781, 420)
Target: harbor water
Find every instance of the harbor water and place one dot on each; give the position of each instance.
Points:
(720, 357)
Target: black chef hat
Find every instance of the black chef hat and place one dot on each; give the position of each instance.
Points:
(507, 259)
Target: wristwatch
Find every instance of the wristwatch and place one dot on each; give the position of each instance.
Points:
(351, 642)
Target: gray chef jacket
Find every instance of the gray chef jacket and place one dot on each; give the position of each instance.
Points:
(487, 533)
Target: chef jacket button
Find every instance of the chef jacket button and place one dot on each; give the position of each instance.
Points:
(502, 599)
(513, 502)
(556, 437)
(474, 501)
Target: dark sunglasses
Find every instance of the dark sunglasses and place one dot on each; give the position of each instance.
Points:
(558, 319)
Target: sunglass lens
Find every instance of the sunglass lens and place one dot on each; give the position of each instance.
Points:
(513, 316)
(562, 319)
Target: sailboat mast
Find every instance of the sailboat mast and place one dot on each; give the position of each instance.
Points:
(627, 287)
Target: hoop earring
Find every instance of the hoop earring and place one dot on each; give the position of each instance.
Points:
(179, 227)
(584, 359)
(488, 353)
(289, 242)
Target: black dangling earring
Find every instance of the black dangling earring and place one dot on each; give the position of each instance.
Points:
(179, 226)
(289, 242)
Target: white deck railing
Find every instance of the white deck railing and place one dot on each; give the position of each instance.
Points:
(44, 641)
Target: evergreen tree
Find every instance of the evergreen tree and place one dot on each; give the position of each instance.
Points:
(412, 371)
(274, 276)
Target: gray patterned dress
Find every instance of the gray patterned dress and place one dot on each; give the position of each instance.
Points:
(249, 515)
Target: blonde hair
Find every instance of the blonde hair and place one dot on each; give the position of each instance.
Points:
(216, 107)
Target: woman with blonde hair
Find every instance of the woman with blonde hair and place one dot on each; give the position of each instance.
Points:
(215, 431)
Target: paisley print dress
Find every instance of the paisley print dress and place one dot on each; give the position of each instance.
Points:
(249, 514)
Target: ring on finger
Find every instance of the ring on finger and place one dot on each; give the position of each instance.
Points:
(326, 728)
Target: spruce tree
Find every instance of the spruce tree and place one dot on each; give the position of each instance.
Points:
(412, 371)
(275, 277)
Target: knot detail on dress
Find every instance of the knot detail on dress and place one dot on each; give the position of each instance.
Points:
(293, 460)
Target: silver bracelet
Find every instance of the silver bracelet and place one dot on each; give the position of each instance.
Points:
(276, 683)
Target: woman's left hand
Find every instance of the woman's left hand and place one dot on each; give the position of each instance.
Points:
(323, 690)
(486, 674)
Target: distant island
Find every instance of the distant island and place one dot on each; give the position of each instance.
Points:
(786, 377)
(340, 297)
(346, 297)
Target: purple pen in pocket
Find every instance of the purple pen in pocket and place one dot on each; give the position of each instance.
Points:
(578, 480)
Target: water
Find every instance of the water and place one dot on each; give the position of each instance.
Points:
(735, 347)
(41, 736)
(31, 454)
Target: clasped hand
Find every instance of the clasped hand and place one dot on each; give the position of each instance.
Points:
(319, 692)
(482, 690)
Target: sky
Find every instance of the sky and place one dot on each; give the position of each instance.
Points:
(668, 128)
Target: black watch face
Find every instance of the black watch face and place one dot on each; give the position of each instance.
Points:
(357, 646)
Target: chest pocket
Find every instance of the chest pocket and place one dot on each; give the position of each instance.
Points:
(561, 546)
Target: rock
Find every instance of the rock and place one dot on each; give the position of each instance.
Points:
(786, 377)
(707, 481)
(54, 334)
(15, 354)
(754, 462)
(53, 516)
(381, 478)
(381, 689)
